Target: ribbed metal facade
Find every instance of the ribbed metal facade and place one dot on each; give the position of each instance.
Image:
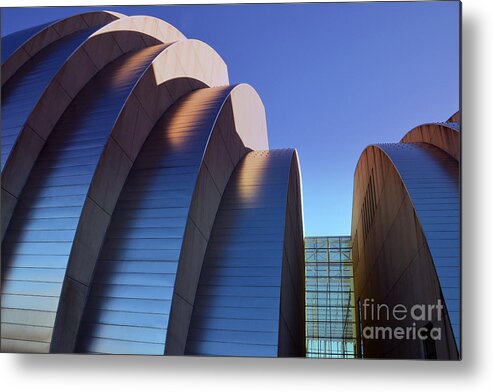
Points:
(431, 177)
(24, 89)
(406, 239)
(131, 294)
(13, 41)
(38, 243)
(238, 298)
(108, 222)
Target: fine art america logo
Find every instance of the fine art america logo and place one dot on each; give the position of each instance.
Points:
(419, 314)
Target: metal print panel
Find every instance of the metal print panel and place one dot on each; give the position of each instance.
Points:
(152, 204)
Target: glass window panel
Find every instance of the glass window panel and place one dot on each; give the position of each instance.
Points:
(310, 243)
(322, 255)
(322, 242)
(330, 323)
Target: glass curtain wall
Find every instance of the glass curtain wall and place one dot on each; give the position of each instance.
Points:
(329, 302)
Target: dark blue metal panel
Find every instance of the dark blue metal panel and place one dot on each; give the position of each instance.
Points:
(236, 311)
(432, 179)
(23, 90)
(12, 42)
(130, 296)
(38, 241)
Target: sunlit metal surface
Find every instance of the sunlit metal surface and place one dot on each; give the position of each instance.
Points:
(455, 118)
(97, 51)
(77, 149)
(39, 239)
(132, 288)
(445, 136)
(431, 177)
(236, 310)
(22, 92)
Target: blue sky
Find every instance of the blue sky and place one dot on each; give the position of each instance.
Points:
(333, 77)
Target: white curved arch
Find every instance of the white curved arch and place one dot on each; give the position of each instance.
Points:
(154, 28)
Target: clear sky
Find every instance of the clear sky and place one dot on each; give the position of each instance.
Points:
(333, 77)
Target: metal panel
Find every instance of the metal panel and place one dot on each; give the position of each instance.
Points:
(138, 262)
(24, 246)
(419, 165)
(237, 303)
(12, 42)
(22, 92)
